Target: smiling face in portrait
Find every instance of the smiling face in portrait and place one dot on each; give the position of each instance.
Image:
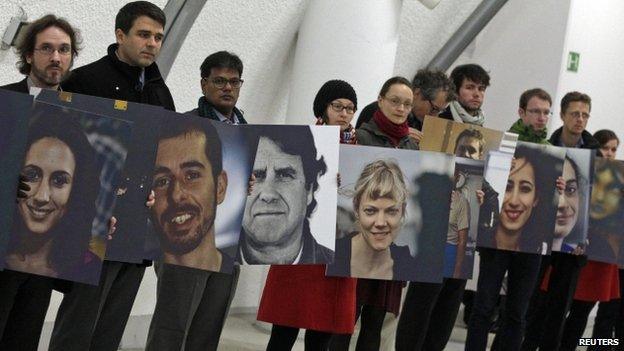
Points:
(49, 169)
(520, 196)
(605, 195)
(397, 103)
(380, 221)
(567, 209)
(276, 209)
(186, 192)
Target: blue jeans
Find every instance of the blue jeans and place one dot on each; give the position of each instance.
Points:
(522, 269)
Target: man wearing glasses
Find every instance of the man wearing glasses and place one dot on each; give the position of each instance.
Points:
(46, 52)
(534, 112)
(192, 304)
(221, 82)
(432, 93)
(548, 309)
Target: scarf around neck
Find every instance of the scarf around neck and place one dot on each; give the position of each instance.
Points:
(346, 137)
(395, 132)
(461, 115)
(206, 109)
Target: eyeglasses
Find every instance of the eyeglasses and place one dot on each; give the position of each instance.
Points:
(338, 107)
(396, 103)
(49, 50)
(435, 110)
(536, 111)
(578, 114)
(220, 82)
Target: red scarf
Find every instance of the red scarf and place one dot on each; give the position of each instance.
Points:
(346, 137)
(395, 132)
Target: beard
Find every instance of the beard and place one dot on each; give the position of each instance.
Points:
(44, 77)
(180, 245)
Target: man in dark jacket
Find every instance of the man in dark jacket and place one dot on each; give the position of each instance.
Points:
(548, 310)
(46, 52)
(192, 304)
(432, 92)
(94, 317)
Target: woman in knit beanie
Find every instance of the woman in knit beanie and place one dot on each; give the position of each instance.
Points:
(335, 104)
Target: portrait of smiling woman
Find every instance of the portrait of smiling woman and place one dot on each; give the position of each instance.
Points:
(60, 168)
(527, 217)
(379, 203)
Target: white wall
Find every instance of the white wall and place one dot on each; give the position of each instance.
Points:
(521, 49)
(595, 31)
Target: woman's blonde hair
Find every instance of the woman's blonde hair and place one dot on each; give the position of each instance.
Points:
(380, 179)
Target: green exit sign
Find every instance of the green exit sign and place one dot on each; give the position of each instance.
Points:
(573, 61)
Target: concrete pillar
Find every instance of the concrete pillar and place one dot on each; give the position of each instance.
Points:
(352, 40)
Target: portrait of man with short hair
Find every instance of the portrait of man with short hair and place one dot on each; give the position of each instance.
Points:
(189, 184)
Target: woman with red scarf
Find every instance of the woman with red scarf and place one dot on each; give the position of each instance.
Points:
(301, 296)
(387, 128)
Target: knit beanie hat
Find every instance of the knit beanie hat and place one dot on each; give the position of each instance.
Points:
(330, 91)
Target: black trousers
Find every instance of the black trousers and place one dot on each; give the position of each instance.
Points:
(191, 308)
(522, 269)
(24, 300)
(548, 310)
(369, 338)
(576, 322)
(283, 338)
(428, 315)
(93, 318)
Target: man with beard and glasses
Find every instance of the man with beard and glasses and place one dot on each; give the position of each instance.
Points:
(94, 317)
(46, 52)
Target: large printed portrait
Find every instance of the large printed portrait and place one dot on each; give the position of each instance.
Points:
(200, 180)
(67, 161)
(290, 214)
(572, 209)
(393, 214)
(133, 188)
(526, 221)
(463, 220)
(606, 212)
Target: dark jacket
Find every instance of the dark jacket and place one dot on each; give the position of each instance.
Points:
(369, 134)
(111, 78)
(212, 114)
(312, 252)
(402, 269)
(367, 114)
(589, 142)
(20, 87)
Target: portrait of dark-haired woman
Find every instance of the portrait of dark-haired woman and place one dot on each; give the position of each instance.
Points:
(52, 225)
(606, 211)
(528, 210)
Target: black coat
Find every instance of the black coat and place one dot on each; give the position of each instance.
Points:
(589, 142)
(20, 87)
(111, 78)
